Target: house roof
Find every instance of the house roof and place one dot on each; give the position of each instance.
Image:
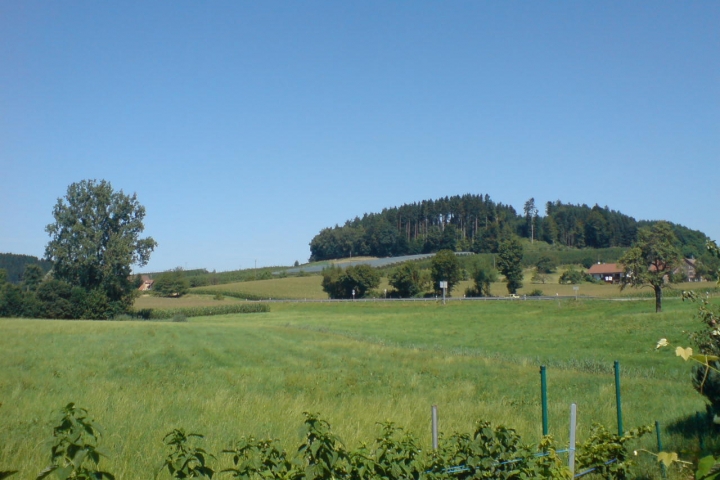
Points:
(605, 268)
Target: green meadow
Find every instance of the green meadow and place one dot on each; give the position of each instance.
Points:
(355, 363)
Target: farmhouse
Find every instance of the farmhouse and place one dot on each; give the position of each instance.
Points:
(607, 272)
(146, 284)
(689, 270)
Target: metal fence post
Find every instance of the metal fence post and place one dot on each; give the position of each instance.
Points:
(543, 396)
(618, 399)
(571, 448)
(434, 428)
(660, 447)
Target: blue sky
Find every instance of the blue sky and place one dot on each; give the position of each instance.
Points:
(246, 127)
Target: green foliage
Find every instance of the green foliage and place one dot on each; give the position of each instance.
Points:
(539, 277)
(15, 303)
(322, 454)
(408, 280)
(445, 267)
(173, 283)
(491, 452)
(95, 240)
(15, 265)
(708, 468)
(602, 446)
(706, 378)
(572, 276)
(510, 254)
(360, 279)
(258, 459)
(484, 274)
(74, 452)
(184, 459)
(396, 454)
(32, 277)
(546, 264)
(653, 259)
(168, 313)
(536, 293)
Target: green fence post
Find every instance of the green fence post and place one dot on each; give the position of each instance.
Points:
(700, 427)
(618, 399)
(543, 396)
(660, 447)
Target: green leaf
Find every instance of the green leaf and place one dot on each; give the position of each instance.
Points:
(707, 468)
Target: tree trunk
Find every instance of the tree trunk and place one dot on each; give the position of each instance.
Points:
(658, 298)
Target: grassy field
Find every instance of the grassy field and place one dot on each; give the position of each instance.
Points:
(310, 287)
(355, 363)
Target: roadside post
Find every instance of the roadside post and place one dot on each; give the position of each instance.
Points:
(443, 285)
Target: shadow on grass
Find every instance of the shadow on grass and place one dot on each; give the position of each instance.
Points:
(697, 425)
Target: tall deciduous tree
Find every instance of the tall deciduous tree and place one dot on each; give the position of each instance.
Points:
(483, 275)
(408, 280)
(652, 260)
(171, 284)
(510, 254)
(339, 283)
(445, 267)
(95, 240)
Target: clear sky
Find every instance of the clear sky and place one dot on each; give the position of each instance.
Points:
(246, 127)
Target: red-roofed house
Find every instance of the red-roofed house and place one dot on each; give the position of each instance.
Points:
(608, 272)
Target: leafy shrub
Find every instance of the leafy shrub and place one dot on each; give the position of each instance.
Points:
(258, 458)
(183, 459)
(536, 293)
(546, 264)
(488, 453)
(602, 446)
(572, 276)
(74, 452)
(218, 296)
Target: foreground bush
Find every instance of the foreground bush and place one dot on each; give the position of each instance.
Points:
(489, 452)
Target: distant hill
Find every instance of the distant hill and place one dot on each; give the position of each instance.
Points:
(15, 265)
(476, 223)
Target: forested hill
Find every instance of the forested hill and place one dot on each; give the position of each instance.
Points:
(476, 223)
(15, 265)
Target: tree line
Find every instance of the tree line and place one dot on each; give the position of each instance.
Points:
(14, 265)
(476, 223)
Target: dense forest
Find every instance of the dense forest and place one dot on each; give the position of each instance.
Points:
(14, 265)
(476, 223)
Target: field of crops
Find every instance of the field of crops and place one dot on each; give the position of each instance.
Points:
(356, 364)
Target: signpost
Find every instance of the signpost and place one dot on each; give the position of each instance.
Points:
(443, 285)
